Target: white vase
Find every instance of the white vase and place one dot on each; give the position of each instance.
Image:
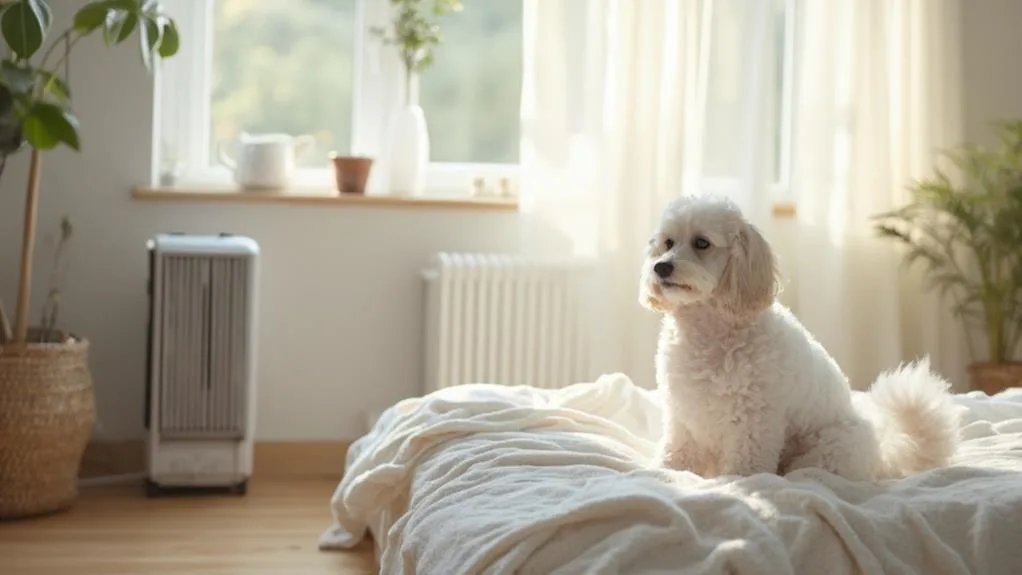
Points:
(409, 152)
(409, 145)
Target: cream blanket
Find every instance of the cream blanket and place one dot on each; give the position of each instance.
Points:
(492, 479)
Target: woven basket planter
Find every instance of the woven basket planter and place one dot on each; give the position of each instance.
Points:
(992, 378)
(47, 410)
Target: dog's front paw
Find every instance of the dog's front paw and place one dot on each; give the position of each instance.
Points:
(678, 457)
(752, 455)
(670, 460)
(747, 469)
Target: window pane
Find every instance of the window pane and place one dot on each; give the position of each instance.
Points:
(283, 66)
(471, 93)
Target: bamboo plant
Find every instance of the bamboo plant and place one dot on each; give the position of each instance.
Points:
(36, 106)
(966, 230)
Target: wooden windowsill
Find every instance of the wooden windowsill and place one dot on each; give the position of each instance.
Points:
(314, 197)
(783, 211)
(780, 211)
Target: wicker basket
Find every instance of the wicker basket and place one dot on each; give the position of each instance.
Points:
(992, 378)
(47, 410)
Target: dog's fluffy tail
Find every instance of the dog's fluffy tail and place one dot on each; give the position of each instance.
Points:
(917, 422)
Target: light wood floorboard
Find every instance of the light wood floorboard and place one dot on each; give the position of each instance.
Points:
(115, 530)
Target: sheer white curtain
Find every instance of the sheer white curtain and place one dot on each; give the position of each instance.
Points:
(626, 105)
(877, 94)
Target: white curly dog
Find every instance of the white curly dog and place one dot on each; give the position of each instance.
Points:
(748, 389)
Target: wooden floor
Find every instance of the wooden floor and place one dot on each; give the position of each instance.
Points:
(116, 530)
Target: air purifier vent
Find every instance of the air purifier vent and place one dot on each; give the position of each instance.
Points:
(204, 346)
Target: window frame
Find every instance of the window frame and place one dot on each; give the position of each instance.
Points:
(183, 121)
(781, 188)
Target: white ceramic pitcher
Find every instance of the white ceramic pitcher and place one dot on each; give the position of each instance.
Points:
(264, 161)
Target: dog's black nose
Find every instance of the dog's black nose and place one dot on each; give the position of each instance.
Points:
(663, 269)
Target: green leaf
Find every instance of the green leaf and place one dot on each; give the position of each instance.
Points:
(118, 26)
(24, 25)
(127, 27)
(91, 16)
(132, 6)
(148, 40)
(55, 87)
(170, 42)
(45, 12)
(11, 133)
(112, 26)
(48, 125)
(19, 80)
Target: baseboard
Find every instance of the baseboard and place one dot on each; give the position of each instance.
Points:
(300, 459)
(271, 459)
(105, 458)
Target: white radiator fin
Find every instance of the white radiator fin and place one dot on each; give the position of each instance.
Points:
(202, 387)
(507, 320)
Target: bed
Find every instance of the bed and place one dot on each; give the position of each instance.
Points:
(498, 479)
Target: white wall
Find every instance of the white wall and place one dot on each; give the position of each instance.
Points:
(341, 312)
(992, 75)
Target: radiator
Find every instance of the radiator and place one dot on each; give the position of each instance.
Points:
(505, 319)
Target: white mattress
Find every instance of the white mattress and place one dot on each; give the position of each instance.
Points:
(492, 479)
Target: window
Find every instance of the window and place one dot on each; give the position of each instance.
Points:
(283, 66)
(472, 94)
(742, 88)
(310, 67)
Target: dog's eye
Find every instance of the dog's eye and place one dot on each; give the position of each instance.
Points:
(669, 243)
(701, 244)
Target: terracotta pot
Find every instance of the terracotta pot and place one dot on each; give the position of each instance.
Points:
(992, 378)
(351, 173)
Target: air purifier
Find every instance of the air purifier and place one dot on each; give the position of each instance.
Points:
(201, 385)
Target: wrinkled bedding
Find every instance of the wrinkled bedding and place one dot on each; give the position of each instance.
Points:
(495, 479)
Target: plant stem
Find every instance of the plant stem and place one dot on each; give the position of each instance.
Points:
(1015, 341)
(408, 85)
(49, 51)
(995, 332)
(5, 326)
(27, 249)
(411, 90)
(67, 51)
(949, 250)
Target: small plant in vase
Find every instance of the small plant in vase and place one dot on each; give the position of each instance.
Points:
(415, 31)
(967, 232)
(47, 408)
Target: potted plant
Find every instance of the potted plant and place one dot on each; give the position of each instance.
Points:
(966, 230)
(47, 408)
(415, 30)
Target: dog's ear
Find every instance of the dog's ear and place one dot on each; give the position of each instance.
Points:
(750, 281)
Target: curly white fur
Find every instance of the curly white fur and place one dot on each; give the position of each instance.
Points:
(748, 389)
